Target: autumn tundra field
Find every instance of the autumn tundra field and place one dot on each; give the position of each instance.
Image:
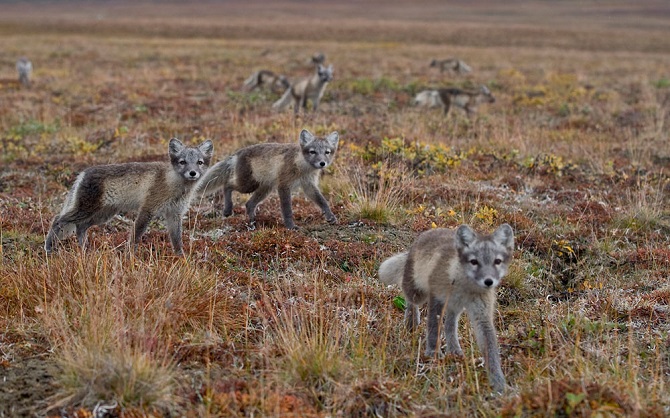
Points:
(574, 154)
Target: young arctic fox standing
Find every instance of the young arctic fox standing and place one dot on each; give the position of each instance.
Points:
(454, 270)
(24, 67)
(260, 168)
(308, 88)
(451, 64)
(152, 189)
(468, 100)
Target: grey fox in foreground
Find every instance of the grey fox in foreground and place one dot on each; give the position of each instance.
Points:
(311, 88)
(451, 64)
(267, 78)
(454, 270)
(468, 100)
(151, 188)
(260, 168)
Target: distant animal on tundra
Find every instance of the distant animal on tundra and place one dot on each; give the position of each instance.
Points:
(454, 271)
(25, 68)
(151, 188)
(452, 65)
(468, 100)
(260, 168)
(310, 88)
(319, 58)
(262, 78)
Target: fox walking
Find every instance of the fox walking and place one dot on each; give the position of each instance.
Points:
(260, 168)
(454, 270)
(468, 100)
(266, 78)
(310, 88)
(152, 188)
(451, 64)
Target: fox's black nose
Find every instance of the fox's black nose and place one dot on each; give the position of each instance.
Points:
(193, 173)
(322, 163)
(488, 282)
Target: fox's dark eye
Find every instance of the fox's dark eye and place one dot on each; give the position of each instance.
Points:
(497, 261)
(327, 151)
(201, 162)
(182, 162)
(312, 152)
(474, 262)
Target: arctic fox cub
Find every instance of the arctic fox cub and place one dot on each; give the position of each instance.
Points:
(454, 270)
(260, 168)
(153, 189)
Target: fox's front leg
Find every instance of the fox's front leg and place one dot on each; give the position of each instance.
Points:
(313, 192)
(412, 316)
(257, 197)
(174, 226)
(286, 209)
(434, 323)
(141, 225)
(451, 317)
(485, 334)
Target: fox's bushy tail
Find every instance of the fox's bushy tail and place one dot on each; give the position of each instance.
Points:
(284, 101)
(215, 178)
(392, 269)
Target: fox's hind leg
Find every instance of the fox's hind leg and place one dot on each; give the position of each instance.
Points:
(434, 325)
(227, 202)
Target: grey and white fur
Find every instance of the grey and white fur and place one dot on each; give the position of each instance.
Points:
(468, 100)
(150, 188)
(454, 270)
(310, 88)
(25, 68)
(262, 78)
(451, 64)
(261, 168)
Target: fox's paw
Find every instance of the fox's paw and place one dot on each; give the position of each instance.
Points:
(251, 226)
(331, 219)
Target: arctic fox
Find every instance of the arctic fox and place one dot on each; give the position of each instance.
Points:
(468, 100)
(266, 78)
(311, 88)
(260, 168)
(451, 64)
(454, 270)
(151, 188)
(24, 67)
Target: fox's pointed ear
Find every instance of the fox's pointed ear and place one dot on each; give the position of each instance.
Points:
(465, 236)
(504, 236)
(206, 148)
(175, 146)
(333, 138)
(305, 137)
